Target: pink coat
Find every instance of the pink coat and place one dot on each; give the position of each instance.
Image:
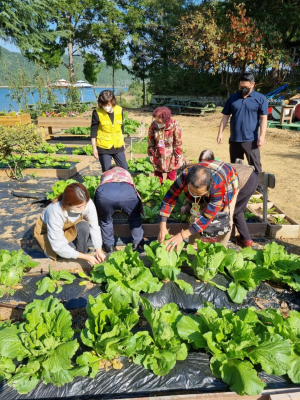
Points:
(165, 146)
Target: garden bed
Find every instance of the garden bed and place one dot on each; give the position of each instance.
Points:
(55, 172)
(150, 230)
(10, 120)
(256, 226)
(279, 224)
(63, 123)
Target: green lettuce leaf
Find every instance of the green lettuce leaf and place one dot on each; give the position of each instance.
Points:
(165, 264)
(273, 353)
(241, 377)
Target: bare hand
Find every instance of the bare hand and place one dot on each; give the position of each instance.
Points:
(95, 153)
(92, 260)
(174, 242)
(162, 234)
(220, 138)
(260, 142)
(100, 255)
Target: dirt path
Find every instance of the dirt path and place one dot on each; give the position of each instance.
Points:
(280, 155)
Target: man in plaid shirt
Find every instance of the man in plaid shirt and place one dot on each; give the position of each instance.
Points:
(216, 182)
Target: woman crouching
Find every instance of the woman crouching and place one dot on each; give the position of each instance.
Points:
(66, 225)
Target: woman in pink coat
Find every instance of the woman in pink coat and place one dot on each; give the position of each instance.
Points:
(165, 144)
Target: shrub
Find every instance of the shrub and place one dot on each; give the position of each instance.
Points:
(18, 138)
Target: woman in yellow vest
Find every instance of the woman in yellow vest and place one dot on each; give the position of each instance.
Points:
(107, 132)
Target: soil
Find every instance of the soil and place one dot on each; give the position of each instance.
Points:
(280, 154)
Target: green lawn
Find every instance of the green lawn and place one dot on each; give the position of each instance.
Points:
(140, 147)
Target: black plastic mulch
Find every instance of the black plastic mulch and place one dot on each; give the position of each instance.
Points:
(191, 375)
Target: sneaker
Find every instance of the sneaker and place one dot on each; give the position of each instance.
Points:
(244, 243)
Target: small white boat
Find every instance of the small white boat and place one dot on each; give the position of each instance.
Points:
(61, 83)
(82, 84)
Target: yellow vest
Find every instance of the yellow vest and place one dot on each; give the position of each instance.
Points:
(108, 134)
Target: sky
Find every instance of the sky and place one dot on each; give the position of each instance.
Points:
(9, 46)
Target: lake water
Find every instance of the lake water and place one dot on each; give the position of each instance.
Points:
(86, 94)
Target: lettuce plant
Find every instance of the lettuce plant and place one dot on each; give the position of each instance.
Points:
(160, 351)
(126, 276)
(12, 266)
(59, 188)
(240, 341)
(206, 260)
(49, 284)
(246, 268)
(140, 165)
(146, 186)
(150, 214)
(42, 347)
(165, 264)
(108, 327)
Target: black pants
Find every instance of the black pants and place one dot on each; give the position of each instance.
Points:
(120, 160)
(251, 150)
(80, 243)
(241, 202)
(121, 196)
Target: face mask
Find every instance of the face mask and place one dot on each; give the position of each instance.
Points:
(161, 125)
(74, 211)
(197, 197)
(107, 108)
(245, 90)
(77, 210)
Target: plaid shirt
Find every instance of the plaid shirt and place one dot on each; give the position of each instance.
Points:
(224, 188)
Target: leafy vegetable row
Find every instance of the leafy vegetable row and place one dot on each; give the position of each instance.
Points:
(38, 161)
(245, 268)
(149, 188)
(43, 347)
(90, 182)
(140, 165)
(130, 125)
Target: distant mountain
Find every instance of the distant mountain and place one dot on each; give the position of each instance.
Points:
(10, 61)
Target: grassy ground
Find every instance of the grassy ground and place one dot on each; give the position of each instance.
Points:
(140, 147)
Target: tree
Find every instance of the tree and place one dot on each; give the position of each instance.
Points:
(48, 58)
(275, 16)
(276, 19)
(77, 18)
(229, 48)
(24, 23)
(112, 34)
(151, 51)
(92, 67)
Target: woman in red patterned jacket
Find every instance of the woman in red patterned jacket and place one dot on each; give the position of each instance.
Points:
(165, 144)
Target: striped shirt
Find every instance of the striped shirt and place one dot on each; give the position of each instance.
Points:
(224, 188)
